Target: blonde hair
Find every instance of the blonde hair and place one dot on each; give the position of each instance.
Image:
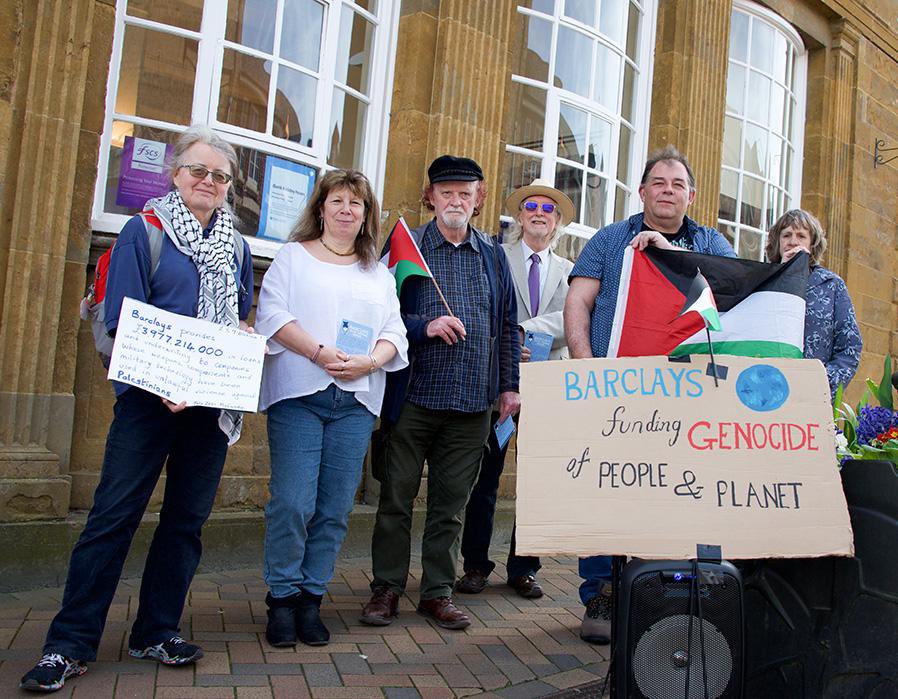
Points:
(796, 218)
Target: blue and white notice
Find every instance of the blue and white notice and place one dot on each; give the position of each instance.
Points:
(187, 359)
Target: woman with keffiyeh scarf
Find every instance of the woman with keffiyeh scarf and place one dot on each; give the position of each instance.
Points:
(199, 274)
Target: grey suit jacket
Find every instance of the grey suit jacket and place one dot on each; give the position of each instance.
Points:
(549, 318)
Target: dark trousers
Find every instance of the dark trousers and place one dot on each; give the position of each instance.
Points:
(452, 444)
(143, 435)
(479, 514)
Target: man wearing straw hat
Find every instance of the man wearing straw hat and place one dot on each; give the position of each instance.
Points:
(541, 282)
(464, 351)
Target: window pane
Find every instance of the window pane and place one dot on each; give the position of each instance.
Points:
(732, 141)
(346, 131)
(157, 76)
(774, 200)
(251, 23)
(570, 181)
(729, 188)
(774, 169)
(571, 133)
(533, 58)
(370, 5)
(628, 94)
(547, 6)
(572, 55)
(581, 10)
(729, 232)
(599, 156)
(354, 51)
(759, 89)
(526, 112)
(777, 104)
(739, 37)
(752, 201)
(762, 46)
(623, 154)
(519, 170)
(301, 33)
(187, 14)
(750, 244)
(736, 89)
(607, 77)
(294, 106)
(621, 201)
(596, 195)
(120, 131)
(633, 32)
(243, 100)
(780, 57)
(612, 18)
(755, 156)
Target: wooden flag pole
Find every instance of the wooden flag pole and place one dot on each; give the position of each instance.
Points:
(442, 298)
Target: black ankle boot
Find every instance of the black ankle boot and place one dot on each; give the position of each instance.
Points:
(309, 627)
(281, 629)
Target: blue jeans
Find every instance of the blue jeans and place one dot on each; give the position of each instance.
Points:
(143, 436)
(318, 444)
(595, 571)
(480, 513)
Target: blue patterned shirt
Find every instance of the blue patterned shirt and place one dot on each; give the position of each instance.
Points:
(454, 377)
(830, 328)
(603, 258)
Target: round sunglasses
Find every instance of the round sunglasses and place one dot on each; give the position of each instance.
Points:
(533, 206)
(200, 172)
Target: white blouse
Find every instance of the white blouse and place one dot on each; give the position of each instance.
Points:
(320, 296)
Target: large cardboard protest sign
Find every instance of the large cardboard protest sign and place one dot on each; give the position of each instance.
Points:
(646, 457)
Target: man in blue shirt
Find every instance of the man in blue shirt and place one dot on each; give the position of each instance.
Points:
(438, 408)
(667, 190)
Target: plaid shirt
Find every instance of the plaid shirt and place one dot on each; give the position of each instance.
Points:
(454, 377)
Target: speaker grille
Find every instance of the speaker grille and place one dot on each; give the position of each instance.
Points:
(658, 638)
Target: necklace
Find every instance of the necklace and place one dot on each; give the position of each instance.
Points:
(338, 254)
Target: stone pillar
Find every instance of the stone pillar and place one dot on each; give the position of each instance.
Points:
(50, 49)
(453, 57)
(689, 91)
(829, 140)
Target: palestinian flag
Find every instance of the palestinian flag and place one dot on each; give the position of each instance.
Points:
(761, 306)
(402, 256)
(700, 299)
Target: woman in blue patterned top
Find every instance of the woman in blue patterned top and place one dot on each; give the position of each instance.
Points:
(831, 333)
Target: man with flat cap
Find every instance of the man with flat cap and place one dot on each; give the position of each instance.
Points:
(438, 408)
(541, 282)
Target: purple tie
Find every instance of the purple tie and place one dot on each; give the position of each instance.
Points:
(533, 284)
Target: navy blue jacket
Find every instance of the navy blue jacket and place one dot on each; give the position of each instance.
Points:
(505, 348)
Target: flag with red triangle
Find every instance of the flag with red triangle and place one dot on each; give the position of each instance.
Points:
(402, 256)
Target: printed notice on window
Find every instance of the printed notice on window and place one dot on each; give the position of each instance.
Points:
(287, 187)
(187, 359)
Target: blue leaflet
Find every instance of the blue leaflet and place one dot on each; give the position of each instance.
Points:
(540, 345)
(354, 338)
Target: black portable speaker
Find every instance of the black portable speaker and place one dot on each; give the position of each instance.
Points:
(652, 651)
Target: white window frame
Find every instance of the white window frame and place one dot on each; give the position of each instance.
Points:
(799, 91)
(210, 51)
(555, 96)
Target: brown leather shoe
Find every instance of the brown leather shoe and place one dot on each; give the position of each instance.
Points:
(444, 613)
(472, 582)
(382, 608)
(527, 587)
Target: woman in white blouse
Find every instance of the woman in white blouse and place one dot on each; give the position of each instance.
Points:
(332, 316)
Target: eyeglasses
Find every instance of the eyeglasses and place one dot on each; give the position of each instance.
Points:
(200, 172)
(533, 206)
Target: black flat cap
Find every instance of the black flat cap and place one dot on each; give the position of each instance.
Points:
(448, 168)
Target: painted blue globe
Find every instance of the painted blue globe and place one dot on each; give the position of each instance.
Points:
(762, 387)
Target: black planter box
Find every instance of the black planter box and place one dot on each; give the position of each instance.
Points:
(828, 627)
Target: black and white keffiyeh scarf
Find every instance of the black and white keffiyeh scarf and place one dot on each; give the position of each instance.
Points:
(215, 264)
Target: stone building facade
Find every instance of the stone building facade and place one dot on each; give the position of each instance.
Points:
(436, 76)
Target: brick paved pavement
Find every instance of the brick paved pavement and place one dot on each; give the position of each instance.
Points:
(514, 648)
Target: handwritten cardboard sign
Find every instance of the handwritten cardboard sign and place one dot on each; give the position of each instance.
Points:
(646, 457)
(187, 359)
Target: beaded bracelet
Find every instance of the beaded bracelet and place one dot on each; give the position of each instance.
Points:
(314, 357)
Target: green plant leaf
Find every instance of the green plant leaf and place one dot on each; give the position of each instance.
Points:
(884, 390)
(837, 401)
